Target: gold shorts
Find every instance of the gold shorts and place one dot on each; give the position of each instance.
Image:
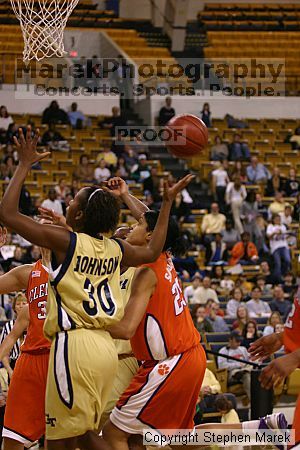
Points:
(82, 367)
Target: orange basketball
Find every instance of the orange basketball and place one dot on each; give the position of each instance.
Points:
(189, 136)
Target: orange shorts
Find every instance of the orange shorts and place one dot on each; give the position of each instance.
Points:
(162, 395)
(24, 419)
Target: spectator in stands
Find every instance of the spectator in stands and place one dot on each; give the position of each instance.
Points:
(102, 173)
(142, 170)
(225, 406)
(296, 214)
(257, 172)
(52, 203)
(250, 334)
(215, 252)
(130, 157)
(292, 185)
(235, 195)
(277, 234)
(54, 114)
(206, 115)
(5, 121)
(257, 307)
(289, 286)
(115, 120)
(249, 214)
(274, 319)
(237, 371)
(220, 180)
(235, 123)
(51, 135)
(84, 172)
(11, 133)
(61, 189)
(75, 186)
(278, 205)
(261, 207)
(238, 151)
(152, 183)
(166, 113)
(230, 235)
(109, 157)
(122, 168)
(205, 292)
(213, 223)
(265, 288)
(234, 302)
(67, 201)
(244, 252)
(295, 139)
(287, 216)
(5, 118)
(275, 184)
(202, 324)
(219, 151)
(218, 323)
(8, 168)
(18, 258)
(180, 210)
(34, 254)
(227, 284)
(242, 317)
(280, 303)
(266, 272)
(190, 291)
(238, 170)
(76, 118)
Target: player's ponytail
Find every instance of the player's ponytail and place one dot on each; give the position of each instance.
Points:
(176, 242)
(101, 212)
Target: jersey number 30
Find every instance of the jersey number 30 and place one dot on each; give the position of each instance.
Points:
(102, 298)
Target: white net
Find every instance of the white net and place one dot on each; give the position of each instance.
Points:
(43, 23)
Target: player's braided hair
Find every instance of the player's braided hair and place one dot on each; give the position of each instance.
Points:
(101, 212)
(176, 242)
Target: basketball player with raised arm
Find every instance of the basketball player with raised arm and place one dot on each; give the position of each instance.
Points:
(163, 394)
(84, 298)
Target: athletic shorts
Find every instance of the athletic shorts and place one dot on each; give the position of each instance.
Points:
(162, 395)
(127, 369)
(24, 419)
(82, 366)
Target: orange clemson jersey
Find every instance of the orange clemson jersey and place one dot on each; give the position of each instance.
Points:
(291, 336)
(37, 292)
(167, 327)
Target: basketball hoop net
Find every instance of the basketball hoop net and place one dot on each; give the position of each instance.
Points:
(43, 23)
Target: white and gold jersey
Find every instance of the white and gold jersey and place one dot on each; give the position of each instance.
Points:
(85, 291)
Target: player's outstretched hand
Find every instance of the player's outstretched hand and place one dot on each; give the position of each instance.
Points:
(265, 346)
(3, 236)
(278, 370)
(117, 185)
(26, 148)
(171, 192)
(53, 217)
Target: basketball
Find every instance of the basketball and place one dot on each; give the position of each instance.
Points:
(189, 136)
